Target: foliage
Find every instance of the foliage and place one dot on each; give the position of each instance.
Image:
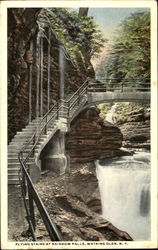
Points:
(121, 110)
(130, 54)
(79, 34)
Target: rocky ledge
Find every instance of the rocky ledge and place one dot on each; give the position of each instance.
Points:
(73, 202)
(136, 129)
(91, 138)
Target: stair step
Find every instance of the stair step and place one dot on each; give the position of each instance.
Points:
(29, 129)
(24, 134)
(12, 172)
(13, 181)
(17, 165)
(15, 154)
(15, 159)
(14, 165)
(13, 175)
(14, 146)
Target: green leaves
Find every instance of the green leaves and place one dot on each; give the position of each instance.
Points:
(79, 34)
(130, 55)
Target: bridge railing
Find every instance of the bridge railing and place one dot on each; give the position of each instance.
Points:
(114, 85)
(76, 99)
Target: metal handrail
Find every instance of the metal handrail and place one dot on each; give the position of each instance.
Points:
(82, 86)
(33, 195)
(42, 127)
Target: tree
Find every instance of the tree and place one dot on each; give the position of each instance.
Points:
(130, 54)
(83, 12)
(78, 32)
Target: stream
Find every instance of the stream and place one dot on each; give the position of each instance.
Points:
(124, 184)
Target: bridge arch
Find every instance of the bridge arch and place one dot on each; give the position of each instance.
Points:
(109, 97)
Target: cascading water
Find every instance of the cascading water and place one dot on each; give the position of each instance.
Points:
(125, 193)
(110, 116)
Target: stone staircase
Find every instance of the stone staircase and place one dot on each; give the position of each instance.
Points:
(19, 141)
(14, 147)
(22, 138)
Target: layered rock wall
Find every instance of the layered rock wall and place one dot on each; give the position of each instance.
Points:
(90, 138)
(136, 129)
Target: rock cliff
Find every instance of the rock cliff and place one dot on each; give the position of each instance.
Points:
(136, 129)
(23, 28)
(91, 138)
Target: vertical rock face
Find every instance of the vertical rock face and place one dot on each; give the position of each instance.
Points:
(136, 129)
(23, 28)
(90, 139)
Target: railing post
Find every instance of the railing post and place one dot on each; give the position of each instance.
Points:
(46, 126)
(78, 97)
(22, 155)
(34, 140)
(23, 183)
(57, 110)
(87, 87)
(31, 207)
(122, 87)
(68, 109)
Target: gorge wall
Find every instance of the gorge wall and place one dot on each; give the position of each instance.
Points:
(135, 128)
(73, 199)
(24, 26)
(91, 138)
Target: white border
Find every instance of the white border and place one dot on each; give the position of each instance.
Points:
(3, 98)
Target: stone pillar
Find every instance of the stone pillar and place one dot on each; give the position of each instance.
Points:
(54, 157)
(41, 76)
(48, 71)
(37, 73)
(62, 71)
(30, 82)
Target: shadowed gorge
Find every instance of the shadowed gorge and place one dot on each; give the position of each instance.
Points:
(57, 133)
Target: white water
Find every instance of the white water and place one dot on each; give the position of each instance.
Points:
(125, 193)
(110, 116)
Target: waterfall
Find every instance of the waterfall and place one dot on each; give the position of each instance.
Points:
(62, 71)
(37, 73)
(30, 84)
(110, 116)
(41, 77)
(48, 71)
(39, 67)
(124, 184)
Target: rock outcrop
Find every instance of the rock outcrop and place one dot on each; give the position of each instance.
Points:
(90, 138)
(136, 129)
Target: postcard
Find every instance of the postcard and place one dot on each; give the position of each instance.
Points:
(78, 124)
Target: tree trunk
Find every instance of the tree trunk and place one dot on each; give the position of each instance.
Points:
(83, 12)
